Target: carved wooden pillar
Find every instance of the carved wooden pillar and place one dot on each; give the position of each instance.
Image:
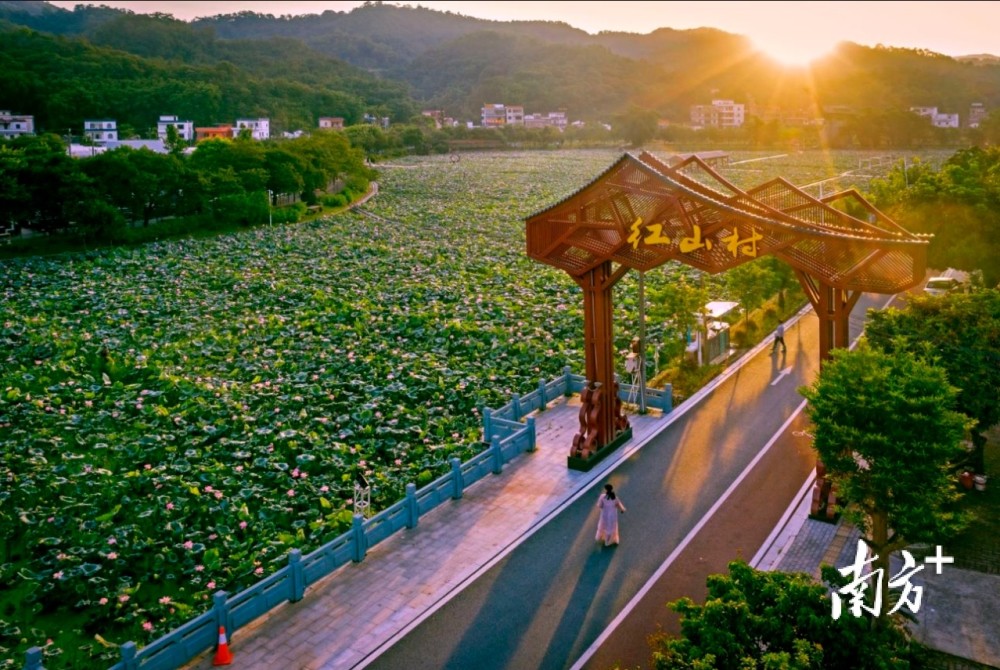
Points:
(833, 307)
(601, 417)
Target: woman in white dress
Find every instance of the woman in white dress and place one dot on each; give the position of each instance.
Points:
(607, 524)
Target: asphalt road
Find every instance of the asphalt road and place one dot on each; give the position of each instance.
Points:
(547, 602)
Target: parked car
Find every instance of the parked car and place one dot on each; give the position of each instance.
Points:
(942, 285)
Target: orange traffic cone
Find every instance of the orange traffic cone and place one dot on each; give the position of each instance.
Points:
(222, 655)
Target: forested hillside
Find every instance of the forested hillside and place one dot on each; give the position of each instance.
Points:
(394, 60)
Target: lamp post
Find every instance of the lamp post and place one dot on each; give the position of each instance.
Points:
(270, 206)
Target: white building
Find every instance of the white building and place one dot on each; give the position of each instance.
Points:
(260, 129)
(514, 115)
(720, 114)
(552, 119)
(13, 125)
(977, 114)
(331, 122)
(101, 130)
(938, 120)
(185, 129)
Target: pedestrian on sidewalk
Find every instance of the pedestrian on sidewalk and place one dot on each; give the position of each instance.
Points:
(607, 523)
(779, 338)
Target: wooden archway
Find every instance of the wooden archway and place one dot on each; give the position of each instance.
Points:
(642, 212)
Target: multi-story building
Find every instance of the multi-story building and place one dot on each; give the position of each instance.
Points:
(13, 125)
(494, 115)
(719, 114)
(185, 129)
(514, 115)
(99, 131)
(260, 129)
(331, 122)
(938, 120)
(977, 114)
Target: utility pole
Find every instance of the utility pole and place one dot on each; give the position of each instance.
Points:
(642, 343)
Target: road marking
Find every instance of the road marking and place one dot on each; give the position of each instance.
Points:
(781, 375)
(602, 638)
(637, 598)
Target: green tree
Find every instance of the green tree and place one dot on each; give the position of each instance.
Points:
(40, 182)
(751, 283)
(959, 204)
(637, 126)
(886, 428)
(754, 619)
(960, 333)
(680, 305)
(284, 171)
(174, 142)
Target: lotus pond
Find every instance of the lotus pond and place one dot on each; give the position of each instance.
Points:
(175, 417)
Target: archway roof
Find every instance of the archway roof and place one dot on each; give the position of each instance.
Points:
(642, 212)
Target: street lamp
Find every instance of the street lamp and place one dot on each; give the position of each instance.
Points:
(270, 206)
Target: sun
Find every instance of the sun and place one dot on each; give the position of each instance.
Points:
(795, 50)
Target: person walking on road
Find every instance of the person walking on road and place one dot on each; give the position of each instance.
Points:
(609, 507)
(779, 338)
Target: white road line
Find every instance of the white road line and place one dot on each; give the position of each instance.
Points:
(637, 598)
(592, 649)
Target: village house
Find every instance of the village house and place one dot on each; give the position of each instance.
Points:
(14, 125)
(100, 131)
(331, 122)
(210, 132)
(719, 114)
(938, 120)
(260, 129)
(185, 129)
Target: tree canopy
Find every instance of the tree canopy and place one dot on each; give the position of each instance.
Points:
(754, 620)
(958, 332)
(959, 204)
(887, 431)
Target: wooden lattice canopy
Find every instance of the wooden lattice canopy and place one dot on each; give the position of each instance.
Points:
(642, 212)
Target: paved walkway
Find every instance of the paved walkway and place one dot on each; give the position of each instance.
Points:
(350, 614)
(345, 620)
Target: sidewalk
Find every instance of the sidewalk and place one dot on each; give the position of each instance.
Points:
(362, 607)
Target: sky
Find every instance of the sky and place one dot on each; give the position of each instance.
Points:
(791, 32)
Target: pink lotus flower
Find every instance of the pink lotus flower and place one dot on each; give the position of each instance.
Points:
(199, 568)
(243, 525)
(112, 540)
(165, 600)
(123, 598)
(258, 571)
(210, 585)
(58, 575)
(170, 505)
(189, 545)
(291, 493)
(102, 601)
(147, 625)
(112, 555)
